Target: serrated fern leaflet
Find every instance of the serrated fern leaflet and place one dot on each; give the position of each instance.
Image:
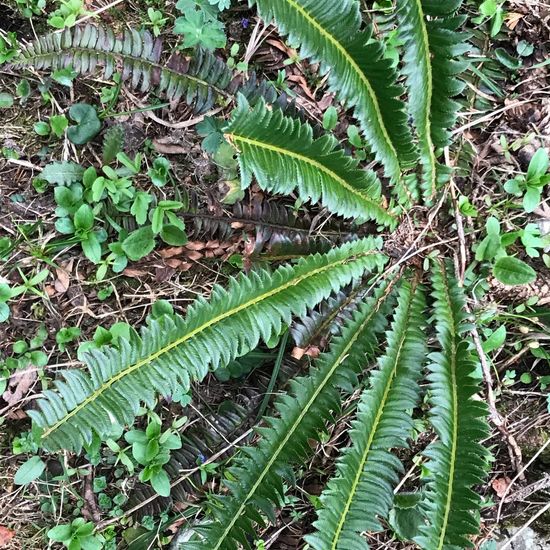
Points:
(281, 152)
(260, 470)
(361, 492)
(457, 461)
(173, 351)
(329, 33)
(428, 30)
(137, 55)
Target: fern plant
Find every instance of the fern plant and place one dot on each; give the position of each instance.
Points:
(201, 81)
(410, 325)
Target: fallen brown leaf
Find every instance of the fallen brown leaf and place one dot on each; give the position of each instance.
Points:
(163, 274)
(512, 19)
(500, 485)
(5, 536)
(194, 255)
(174, 263)
(325, 102)
(169, 148)
(19, 384)
(170, 252)
(62, 282)
(195, 245)
(313, 351)
(134, 273)
(302, 82)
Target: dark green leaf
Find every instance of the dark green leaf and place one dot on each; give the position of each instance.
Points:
(507, 60)
(42, 128)
(496, 340)
(84, 218)
(140, 206)
(139, 243)
(62, 173)
(198, 32)
(29, 471)
(112, 143)
(538, 165)
(531, 199)
(513, 271)
(60, 533)
(65, 226)
(173, 235)
(405, 518)
(525, 49)
(65, 76)
(88, 123)
(58, 124)
(161, 483)
(4, 312)
(330, 119)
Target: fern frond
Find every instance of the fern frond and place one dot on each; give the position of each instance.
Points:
(457, 460)
(138, 54)
(432, 48)
(328, 32)
(257, 477)
(274, 226)
(327, 317)
(173, 351)
(281, 152)
(362, 489)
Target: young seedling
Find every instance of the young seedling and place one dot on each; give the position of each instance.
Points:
(165, 222)
(206, 469)
(65, 76)
(30, 353)
(156, 21)
(103, 337)
(66, 336)
(530, 185)
(24, 354)
(79, 534)
(8, 47)
(30, 284)
(28, 8)
(117, 188)
(67, 13)
(134, 166)
(232, 61)
(151, 448)
(82, 227)
(160, 171)
(56, 125)
(200, 27)
(116, 260)
(507, 269)
(493, 12)
(140, 206)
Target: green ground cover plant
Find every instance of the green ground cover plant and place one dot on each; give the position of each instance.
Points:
(405, 346)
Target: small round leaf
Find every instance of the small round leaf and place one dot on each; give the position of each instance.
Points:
(88, 124)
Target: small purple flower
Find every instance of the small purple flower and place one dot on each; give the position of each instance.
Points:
(245, 22)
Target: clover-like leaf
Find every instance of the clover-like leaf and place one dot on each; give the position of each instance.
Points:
(88, 124)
